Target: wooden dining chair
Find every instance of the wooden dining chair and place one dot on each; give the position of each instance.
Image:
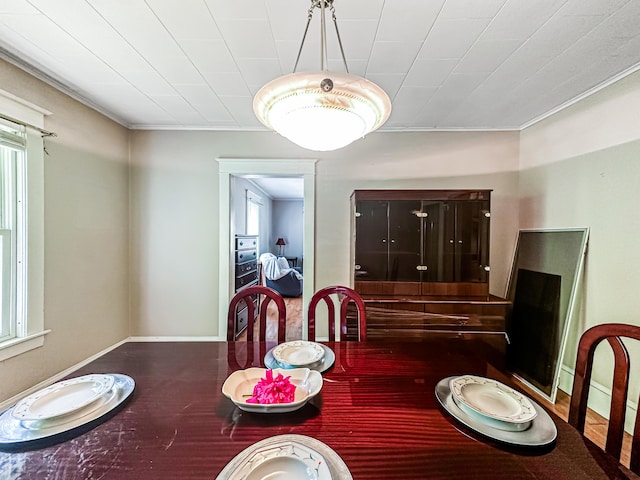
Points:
(344, 296)
(247, 297)
(613, 333)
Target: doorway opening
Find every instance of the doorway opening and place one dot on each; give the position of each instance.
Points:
(282, 168)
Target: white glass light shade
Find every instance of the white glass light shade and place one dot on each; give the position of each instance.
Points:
(299, 109)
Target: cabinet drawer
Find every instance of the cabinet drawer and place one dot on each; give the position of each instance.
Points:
(246, 280)
(465, 323)
(242, 315)
(243, 256)
(471, 289)
(388, 288)
(243, 243)
(244, 268)
(242, 318)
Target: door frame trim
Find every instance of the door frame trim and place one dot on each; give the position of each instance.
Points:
(304, 168)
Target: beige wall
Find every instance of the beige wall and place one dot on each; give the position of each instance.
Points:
(86, 235)
(175, 206)
(581, 168)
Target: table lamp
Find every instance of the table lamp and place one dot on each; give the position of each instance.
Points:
(280, 243)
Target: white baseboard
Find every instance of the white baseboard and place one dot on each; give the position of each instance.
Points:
(599, 398)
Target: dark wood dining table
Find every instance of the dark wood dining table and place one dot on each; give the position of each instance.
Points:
(377, 410)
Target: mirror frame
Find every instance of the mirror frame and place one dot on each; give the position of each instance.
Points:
(563, 263)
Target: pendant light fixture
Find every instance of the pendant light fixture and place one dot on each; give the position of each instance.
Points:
(322, 110)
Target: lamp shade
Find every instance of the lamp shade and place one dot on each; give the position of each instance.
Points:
(280, 241)
(301, 107)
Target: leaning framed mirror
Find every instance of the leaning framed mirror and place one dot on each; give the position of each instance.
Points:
(545, 277)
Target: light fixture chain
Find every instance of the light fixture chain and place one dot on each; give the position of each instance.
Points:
(304, 36)
(323, 37)
(335, 23)
(322, 4)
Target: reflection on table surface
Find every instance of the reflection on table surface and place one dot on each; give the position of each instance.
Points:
(377, 410)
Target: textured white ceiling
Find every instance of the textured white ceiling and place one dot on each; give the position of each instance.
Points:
(281, 188)
(446, 64)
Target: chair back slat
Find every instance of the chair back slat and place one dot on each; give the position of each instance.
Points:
(345, 296)
(246, 297)
(613, 333)
(331, 317)
(619, 390)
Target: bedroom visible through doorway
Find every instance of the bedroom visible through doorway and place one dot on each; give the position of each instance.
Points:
(264, 168)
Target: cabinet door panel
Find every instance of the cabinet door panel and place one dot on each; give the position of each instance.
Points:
(372, 248)
(433, 241)
(471, 240)
(404, 241)
(455, 241)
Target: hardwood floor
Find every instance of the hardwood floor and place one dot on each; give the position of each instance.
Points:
(294, 321)
(294, 318)
(596, 426)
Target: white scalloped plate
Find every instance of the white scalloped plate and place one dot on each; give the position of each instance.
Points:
(332, 467)
(492, 399)
(63, 398)
(542, 431)
(283, 461)
(76, 414)
(17, 433)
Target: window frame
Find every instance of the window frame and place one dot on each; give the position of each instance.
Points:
(12, 232)
(29, 332)
(254, 201)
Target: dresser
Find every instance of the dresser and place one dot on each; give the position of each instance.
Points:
(421, 262)
(246, 275)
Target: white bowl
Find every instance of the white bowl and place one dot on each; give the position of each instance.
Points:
(239, 387)
(298, 353)
(492, 399)
(284, 460)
